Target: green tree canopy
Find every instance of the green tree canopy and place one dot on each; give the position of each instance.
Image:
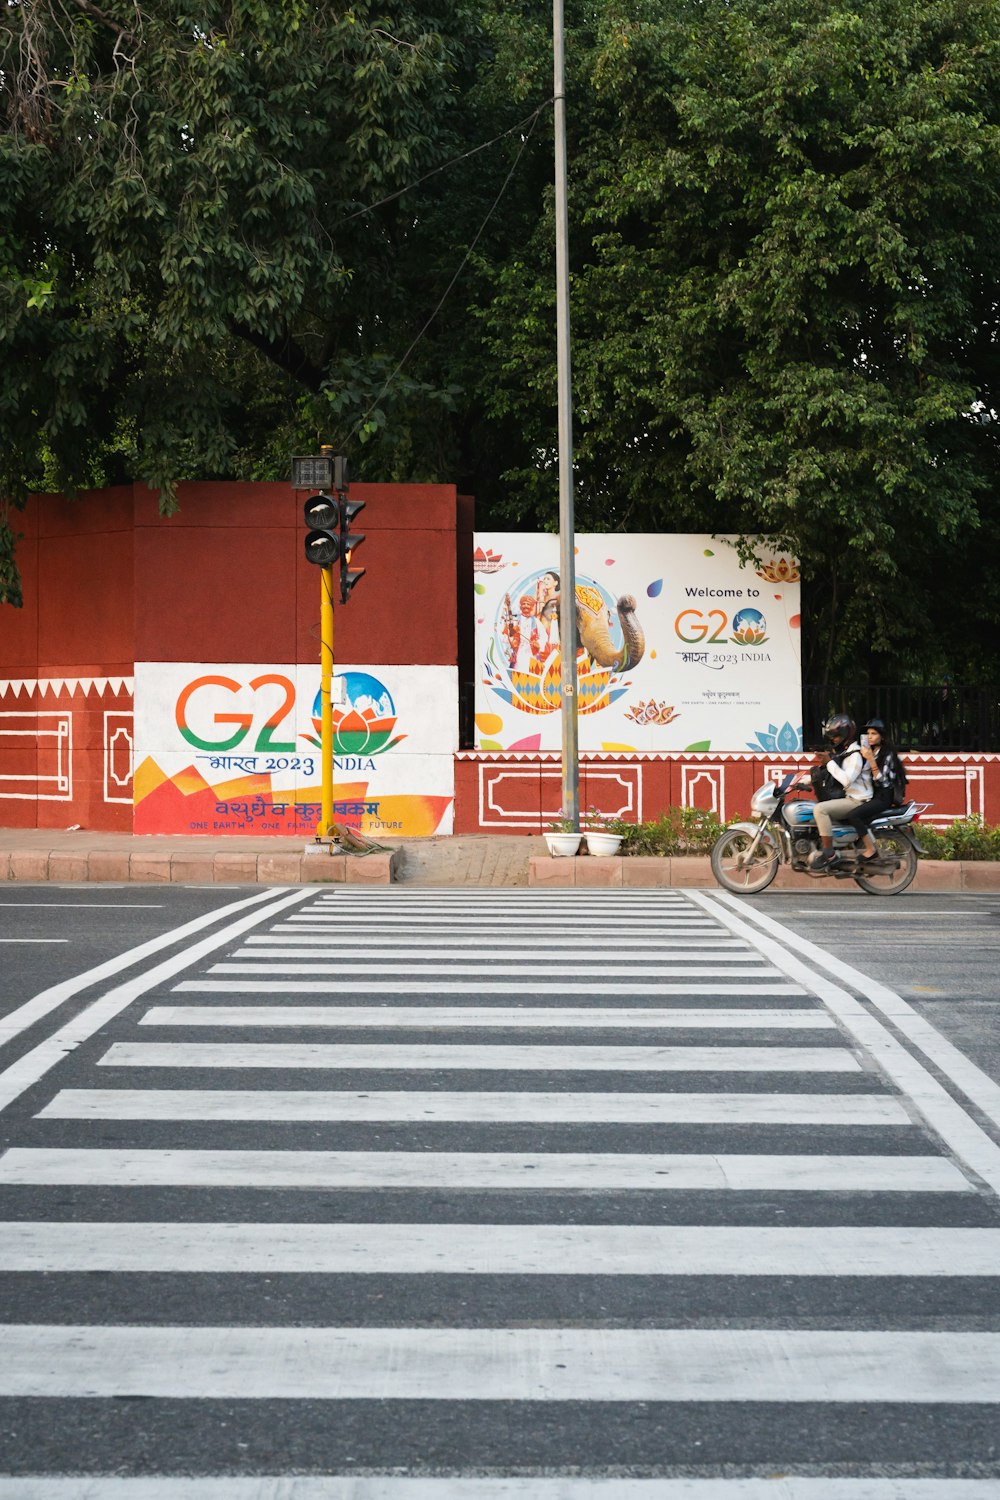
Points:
(784, 304)
(184, 248)
(783, 218)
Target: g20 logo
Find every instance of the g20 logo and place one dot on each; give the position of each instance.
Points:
(694, 626)
(243, 718)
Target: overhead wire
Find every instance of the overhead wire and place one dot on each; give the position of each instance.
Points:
(531, 121)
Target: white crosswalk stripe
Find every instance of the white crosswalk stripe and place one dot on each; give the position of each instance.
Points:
(778, 1234)
(500, 1364)
(540, 1487)
(502, 1249)
(475, 1106)
(548, 1018)
(611, 1058)
(558, 1170)
(488, 986)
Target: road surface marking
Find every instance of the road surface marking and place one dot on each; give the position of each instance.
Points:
(34, 1064)
(313, 947)
(976, 1085)
(580, 967)
(492, 1016)
(476, 1106)
(487, 986)
(523, 1171)
(404, 1487)
(497, 1249)
(500, 1364)
(375, 1056)
(33, 1010)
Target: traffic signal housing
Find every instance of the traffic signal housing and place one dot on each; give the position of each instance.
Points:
(322, 516)
(350, 541)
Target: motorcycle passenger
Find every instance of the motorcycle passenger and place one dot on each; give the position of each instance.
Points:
(846, 765)
(880, 758)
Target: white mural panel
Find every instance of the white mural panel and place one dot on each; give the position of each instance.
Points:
(679, 647)
(235, 748)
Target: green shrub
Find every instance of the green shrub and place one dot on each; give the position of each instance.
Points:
(678, 830)
(689, 830)
(968, 838)
(932, 842)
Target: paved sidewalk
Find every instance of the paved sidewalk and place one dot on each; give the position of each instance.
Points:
(71, 855)
(74, 855)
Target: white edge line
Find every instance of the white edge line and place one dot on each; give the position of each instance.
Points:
(942, 1113)
(36, 1063)
(404, 1487)
(976, 1085)
(47, 1000)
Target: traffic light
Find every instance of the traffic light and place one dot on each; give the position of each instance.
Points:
(322, 516)
(349, 543)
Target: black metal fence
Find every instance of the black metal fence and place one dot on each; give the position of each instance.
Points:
(917, 718)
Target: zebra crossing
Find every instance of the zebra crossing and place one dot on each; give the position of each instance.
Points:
(584, 1195)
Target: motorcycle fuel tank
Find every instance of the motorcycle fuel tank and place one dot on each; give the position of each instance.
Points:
(800, 815)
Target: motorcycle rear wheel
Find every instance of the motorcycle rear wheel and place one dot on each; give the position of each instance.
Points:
(895, 880)
(743, 879)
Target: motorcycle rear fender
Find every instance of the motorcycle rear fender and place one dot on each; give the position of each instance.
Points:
(902, 829)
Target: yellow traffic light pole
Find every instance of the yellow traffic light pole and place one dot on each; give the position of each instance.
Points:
(328, 513)
(326, 706)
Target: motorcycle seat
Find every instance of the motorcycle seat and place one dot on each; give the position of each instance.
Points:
(901, 814)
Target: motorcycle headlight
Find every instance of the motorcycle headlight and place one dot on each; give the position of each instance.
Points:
(764, 801)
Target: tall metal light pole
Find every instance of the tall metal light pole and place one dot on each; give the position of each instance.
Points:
(567, 549)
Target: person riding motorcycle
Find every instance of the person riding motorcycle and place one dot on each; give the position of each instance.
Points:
(846, 766)
(881, 760)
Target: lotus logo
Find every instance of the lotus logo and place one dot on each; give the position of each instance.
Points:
(780, 570)
(749, 628)
(364, 724)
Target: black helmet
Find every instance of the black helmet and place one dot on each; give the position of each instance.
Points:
(841, 727)
(877, 724)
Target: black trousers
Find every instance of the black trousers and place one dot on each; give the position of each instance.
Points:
(867, 812)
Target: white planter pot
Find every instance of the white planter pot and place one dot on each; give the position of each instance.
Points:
(561, 844)
(604, 843)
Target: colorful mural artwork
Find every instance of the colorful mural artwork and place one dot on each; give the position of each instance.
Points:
(678, 645)
(235, 748)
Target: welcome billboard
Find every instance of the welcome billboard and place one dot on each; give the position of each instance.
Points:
(679, 645)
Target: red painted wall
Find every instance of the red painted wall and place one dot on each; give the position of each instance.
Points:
(76, 569)
(522, 793)
(77, 622)
(108, 581)
(226, 578)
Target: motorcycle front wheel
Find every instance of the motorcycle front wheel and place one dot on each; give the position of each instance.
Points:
(891, 846)
(730, 867)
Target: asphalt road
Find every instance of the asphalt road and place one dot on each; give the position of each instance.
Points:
(940, 952)
(52, 933)
(489, 1183)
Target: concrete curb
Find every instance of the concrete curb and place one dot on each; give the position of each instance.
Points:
(213, 867)
(696, 870)
(78, 856)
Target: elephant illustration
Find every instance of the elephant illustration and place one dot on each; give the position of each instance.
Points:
(593, 628)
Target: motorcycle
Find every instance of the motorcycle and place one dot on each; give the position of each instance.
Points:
(746, 858)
